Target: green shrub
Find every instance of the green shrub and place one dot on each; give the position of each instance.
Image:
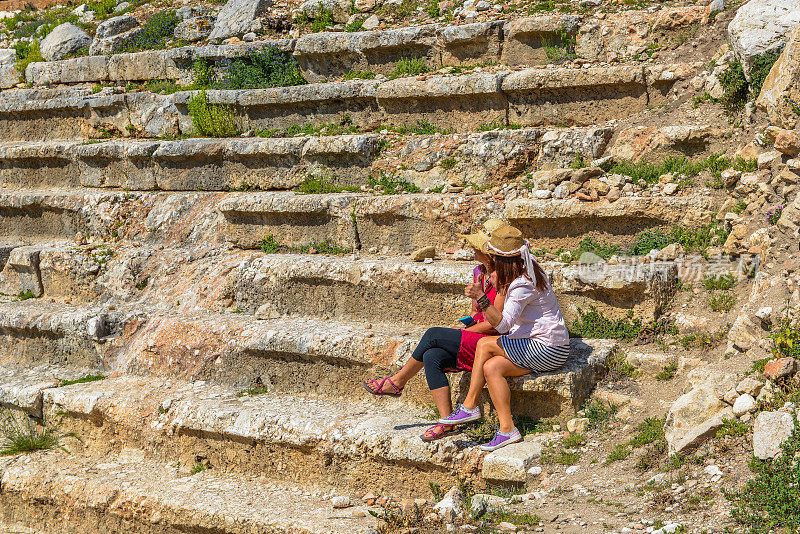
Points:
(745, 165)
(594, 324)
(423, 127)
(432, 9)
(588, 244)
(354, 26)
(574, 440)
(732, 427)
(154, 33)
(721, 302)
(203, 73)
(410, 66)
(257, 68)
(448, 163)
(212, 120)
(323, 21)
(771, 502)
(648, 431)
(270, 245)
(691, 239)
(164, 87)
(102, 8)
(786, 339)
(619, 367)
(702, 340)
(599, 414)
(734, 85)
(721, 281)
(27, 53)
(315, 183)
(668, 372)
(359, 75)
(650, 172)
(760, 69)
(391, 185)
(740, 206)
(648, 240)
(620, 452)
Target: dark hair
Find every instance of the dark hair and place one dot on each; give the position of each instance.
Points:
(509, 268)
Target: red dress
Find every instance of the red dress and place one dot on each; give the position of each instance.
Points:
(469, 340)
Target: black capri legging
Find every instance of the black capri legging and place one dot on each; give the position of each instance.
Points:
(438, 350)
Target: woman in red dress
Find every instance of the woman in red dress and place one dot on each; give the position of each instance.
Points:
(443, 350)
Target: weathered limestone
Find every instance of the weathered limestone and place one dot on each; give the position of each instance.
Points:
(39, 114)
(21, 387)
(695, 417)
(170, 419)
(127, 492)
(421, 220)
(282, 163)
(770, 430)
(525, 37)
(62, 40)
(762, 26)
(559, 393)
(583, 96)
(780, 94)
(326, 55)
(237, 18)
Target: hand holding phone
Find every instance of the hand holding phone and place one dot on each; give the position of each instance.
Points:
(467, 321)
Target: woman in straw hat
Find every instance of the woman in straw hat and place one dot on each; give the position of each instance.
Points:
(533, 338)
(443, 350)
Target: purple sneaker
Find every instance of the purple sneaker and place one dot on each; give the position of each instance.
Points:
(501, 439)
(461, 415)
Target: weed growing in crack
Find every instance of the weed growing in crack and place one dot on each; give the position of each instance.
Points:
(212, 120)
(82, 380)
(722, 281)
(722, 302)
(29, 436)
(668, 372)
(410, 66)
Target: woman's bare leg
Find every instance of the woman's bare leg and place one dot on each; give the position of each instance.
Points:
(496, 371)
(485, 350)
(441, 396)
(401, 377)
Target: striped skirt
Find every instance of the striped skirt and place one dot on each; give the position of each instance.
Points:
(533, 355)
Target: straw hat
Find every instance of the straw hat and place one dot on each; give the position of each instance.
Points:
(479, 238)
(504, 241)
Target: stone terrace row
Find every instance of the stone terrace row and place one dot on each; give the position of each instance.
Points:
(562, 96)
(323, 56)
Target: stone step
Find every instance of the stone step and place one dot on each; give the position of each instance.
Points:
(275, 285)
(343, 443)
(21, 388)
(126, 492)
(213, 164)
(464, 102)
(326, 55)
(387, 223)
(283, 355)
(404, 223)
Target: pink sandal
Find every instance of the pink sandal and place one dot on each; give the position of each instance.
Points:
(370, 385)
(438, 431)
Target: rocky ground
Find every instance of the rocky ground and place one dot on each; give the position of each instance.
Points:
(199, 307)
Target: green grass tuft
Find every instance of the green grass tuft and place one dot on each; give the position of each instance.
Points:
(28, 436)
(83, 380)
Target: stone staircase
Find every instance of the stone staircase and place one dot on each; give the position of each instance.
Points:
(140, 259)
